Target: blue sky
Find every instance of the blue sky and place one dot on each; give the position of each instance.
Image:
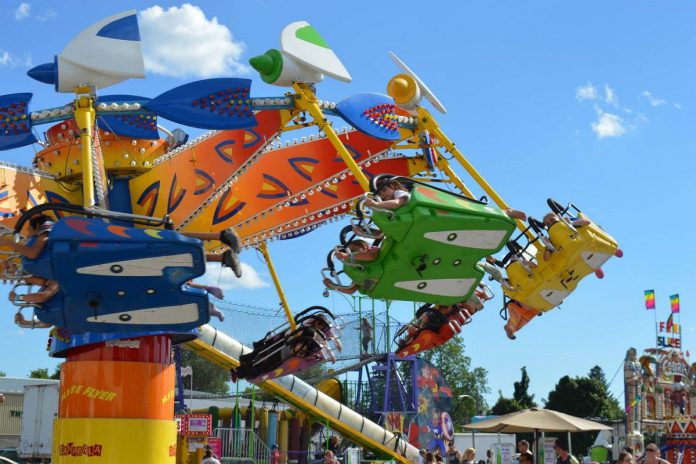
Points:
(590, 102)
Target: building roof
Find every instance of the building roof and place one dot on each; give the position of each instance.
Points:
(16, 385)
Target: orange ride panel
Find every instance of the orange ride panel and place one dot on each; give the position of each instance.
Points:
(333, 200)
(116, 389)
(22, 189)
(177, 185)
(283, 176)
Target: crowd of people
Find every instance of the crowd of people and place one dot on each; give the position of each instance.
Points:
(525, 455)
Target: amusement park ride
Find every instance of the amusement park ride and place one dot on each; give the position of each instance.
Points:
(131, 208)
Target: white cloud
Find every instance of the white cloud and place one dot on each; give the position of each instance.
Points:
(677, 105)
(181, 41)
(587, 92)
(46, 15)
(610, 97)
(608, 125)
(10, 60)
(226, 280)
(653, 100)
(23, 11)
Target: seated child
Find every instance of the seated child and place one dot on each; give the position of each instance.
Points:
(392, 195)
(30, 248)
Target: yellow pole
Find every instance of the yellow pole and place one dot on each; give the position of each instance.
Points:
(307, 101)
(84, 116)
(444, 166)
(264, 251)
(428, 122)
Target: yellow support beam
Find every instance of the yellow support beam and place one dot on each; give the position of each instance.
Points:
(444, 166)
(225, 361)
(306, 100)
(426, 121)
(263, 248)
(84, 116)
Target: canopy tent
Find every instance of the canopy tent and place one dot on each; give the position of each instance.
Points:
(536, 420)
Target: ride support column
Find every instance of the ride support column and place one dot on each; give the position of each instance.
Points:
(117, 403)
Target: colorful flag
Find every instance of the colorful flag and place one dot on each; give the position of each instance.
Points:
(650, 299)
(670, 324)
(674, 301)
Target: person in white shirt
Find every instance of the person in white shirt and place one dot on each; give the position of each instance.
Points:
(209, 458)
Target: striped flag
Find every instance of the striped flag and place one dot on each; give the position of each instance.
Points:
(674, 302)
(650, 299)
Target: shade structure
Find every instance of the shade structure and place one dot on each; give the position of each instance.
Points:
(536, 420)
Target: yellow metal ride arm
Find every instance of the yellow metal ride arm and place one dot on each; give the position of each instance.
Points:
(263, 248)
(84, 116)
(306, 100)
(426, 121)
(218, 348)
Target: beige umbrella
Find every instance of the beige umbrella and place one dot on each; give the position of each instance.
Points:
(536, 420)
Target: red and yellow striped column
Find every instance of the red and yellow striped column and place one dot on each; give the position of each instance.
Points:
(117, 404)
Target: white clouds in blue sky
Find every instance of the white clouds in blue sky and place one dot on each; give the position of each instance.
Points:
(182, 41)
(608, 125)
(226, 280)
(606, 105)
(23, 11)
(12, 60)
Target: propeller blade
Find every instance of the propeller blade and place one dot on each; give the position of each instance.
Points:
(136, 126)
(207, 104)
(371, 113)
(15, 123)
(425, 90)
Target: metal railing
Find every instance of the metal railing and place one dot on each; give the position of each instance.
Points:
(242, 444)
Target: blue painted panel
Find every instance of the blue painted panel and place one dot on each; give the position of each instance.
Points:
(136, 126)
(371, 113)
(207, 104)
(122, 29)
(138, 282)
(15, 123)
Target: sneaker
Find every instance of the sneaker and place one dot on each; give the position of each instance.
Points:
(599, 273)
(230, 238)
(231, 259)
(509, 332)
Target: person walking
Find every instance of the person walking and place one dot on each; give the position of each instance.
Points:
(469, 456)
(564, 457)
(208, 457)
(652, 456)
(453, 454)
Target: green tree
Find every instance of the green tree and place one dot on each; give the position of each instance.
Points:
(521, 391)
(462, 378)
(3, 374)
(39, 373)
(598, 374)
(505, 405)
(585, 397)
(207, 376)
(56, 372)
